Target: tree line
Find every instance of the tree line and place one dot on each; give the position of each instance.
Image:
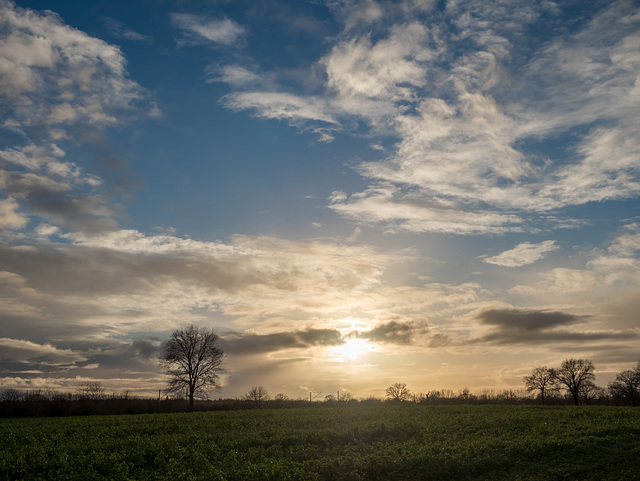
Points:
(576, 377)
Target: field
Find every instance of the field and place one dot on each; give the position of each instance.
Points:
(389, 442)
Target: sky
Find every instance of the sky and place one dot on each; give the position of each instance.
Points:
(442, 193)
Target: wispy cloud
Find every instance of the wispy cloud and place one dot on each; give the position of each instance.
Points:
(308, 113)
(523, 254)
(234, 75)
(466, 116)
(197, 29)
(120, 30)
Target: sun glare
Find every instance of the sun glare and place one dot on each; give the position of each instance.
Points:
(352, 349)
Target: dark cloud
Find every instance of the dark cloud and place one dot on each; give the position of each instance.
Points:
(394, 332)
(236, 343)
(515, 326)
(147, 347)
(527, 320)
(60, 201)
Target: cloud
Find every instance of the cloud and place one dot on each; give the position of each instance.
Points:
(10, 218)
(523, 254)
(553, 328)
(394, 332)
(472, 124)
(147, 348)
(197, 29)
(387, 205)
(234, 75)
(60, 85)
(30, 353)
(307, 113)
(526, 320)
(44, 59)
(251, 343)
(120, 30)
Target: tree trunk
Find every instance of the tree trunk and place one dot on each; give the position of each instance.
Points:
(576, 397)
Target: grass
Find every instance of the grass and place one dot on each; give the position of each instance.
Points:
(389, 442)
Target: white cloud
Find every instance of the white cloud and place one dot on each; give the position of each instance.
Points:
(234, 75)
(21, 351)
(464, 111)
(523, 254)
(385, 70)
(389, 206)
(10, 218)
(46, 60)
(197, 29)
(304, 112)
(56, 80)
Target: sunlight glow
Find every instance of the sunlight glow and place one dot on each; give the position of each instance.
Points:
(352, 349)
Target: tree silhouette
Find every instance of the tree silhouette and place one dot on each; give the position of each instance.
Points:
(398, 392)
(90, 390)
(627, 385)
(541, 379)
(574, 373)
(257, 395)
(193, 361)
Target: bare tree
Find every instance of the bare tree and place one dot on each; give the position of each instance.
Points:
(573, 373)
(193, 361)
(398, 392)
(541, 379)
(589, 391)
(257, 395)
(90, 390)
(627, 385)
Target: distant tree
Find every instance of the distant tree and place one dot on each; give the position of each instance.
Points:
(398, 392)
(90, 390)
(589, 391)
(193, 361)
(329, 398)
(464, 394)
(346, 396)
(627, 386)
(573, 373)
(282, 397)
(542, 380)
(257, 395)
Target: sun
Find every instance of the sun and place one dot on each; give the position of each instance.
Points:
(352, 349)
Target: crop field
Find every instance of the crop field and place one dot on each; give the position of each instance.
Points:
(389, 442)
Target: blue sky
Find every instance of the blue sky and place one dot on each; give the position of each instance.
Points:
(452, 184)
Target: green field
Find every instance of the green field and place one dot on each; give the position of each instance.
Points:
(399, 442)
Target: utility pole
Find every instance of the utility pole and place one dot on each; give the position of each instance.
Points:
(338, 396)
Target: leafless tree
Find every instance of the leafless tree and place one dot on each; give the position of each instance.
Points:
(90, 390)
(541, 379)
(627, 385)
(589, 391)
(573, 373)
(193, 361)
(257, 395)
(398, 392)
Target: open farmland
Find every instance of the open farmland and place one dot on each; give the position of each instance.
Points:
(390, 442)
